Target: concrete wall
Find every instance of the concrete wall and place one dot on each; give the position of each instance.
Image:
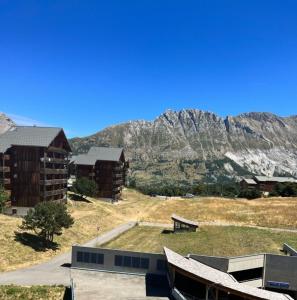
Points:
(247, 262)
(109, 261)
(281, 270)
(219, 263)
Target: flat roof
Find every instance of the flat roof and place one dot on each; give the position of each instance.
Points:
(219, 278)
(183, 220)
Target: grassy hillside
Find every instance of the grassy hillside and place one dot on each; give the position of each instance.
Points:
(208, 240)
(278, 212)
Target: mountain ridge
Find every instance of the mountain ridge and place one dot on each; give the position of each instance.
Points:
(260, 143)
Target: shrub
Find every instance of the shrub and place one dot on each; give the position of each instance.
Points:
(250, 194)
(84, 187)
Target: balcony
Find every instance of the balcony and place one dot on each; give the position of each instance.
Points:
(4, 169)
(117, 182)
(53, 193)
(57, 150)
(117, 175)
(53, 171)
(53, 181)
(54, 160)
(5, 181)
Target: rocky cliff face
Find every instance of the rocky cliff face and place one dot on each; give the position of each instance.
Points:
(5, 123)
(192, 144)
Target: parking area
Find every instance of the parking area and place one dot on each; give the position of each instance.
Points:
(89, 285)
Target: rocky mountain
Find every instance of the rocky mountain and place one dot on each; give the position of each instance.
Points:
(5, 123)
(193, 145)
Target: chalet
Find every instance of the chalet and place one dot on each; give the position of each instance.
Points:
(264, 183)
(34, 165)
(106, 166)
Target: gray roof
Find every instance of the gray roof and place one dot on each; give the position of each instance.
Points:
(183, 220)
(249, 181)
(98, 153)
(219, 278)
(275, 179)
(28, 136)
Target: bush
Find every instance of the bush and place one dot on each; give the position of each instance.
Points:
(84, 187)
(285, 190)
(250, 194)
(3, 198)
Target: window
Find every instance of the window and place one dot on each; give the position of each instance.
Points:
(86, 257)
(93, 258)
(118, 260)
(161, 265)
(127, 261)
(100, 258)
(136, 262)
(79, 256)
(144, 263)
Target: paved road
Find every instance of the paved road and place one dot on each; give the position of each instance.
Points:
(53, 271)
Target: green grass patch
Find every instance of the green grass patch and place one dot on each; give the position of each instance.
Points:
(208, 240)
(13, 292)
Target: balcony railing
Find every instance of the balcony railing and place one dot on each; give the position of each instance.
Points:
(53, 193)
(57, 150)
(4, 169)
(53, 181)
(5, 181)
(54, 160)
(53, 171)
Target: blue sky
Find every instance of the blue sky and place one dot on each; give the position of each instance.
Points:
(84, 65)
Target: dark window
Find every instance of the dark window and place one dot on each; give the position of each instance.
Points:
(118, 260)
(93, 258)
(144, 263)
(127, 261)
(79, 256)
(161, 265)
(86, 257)
(136, 262)
(100, 259)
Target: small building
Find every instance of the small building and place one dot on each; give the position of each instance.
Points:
(248, 184)
(267, 184)
(34, 165)
(106, 166)
(264, 184)
(181, 224)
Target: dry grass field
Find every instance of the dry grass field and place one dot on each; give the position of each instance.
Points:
(12, 292)
(208, 240)
(278, 212)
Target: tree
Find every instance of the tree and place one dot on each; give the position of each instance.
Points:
(47, 219)
(250, 194)
(3, 198)
(84, 187)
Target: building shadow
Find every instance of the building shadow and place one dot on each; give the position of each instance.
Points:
(156, 285)
(167, 231)
(78, 198)
(34, 241)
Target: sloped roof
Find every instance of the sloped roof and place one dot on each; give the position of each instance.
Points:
(275, 179)
(98, 153)
(219, 278)
(106, 153)
(183, 220)
(28, 136)
(249, 181)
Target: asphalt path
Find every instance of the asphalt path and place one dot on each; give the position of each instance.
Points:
(57, 271)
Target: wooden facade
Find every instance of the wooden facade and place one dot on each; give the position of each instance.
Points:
(32, 174)
(109, 175)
